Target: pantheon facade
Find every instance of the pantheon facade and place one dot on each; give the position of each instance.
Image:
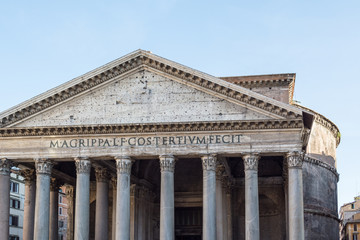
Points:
(151, 149)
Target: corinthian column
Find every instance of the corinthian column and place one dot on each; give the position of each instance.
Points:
(229, 210)
(5, 166)
(42, 204)
(167, 224)
(69, 193)
(251, 197)
(102, 202)
(29, 203)
(219, 202)
(123, 166)
(209, 197)
(54, 206)
(113, 218)
(296, 204)
(82, 202)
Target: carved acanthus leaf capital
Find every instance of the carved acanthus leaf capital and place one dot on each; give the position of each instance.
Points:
(114, 182)
(54, 185)
(5, 166)
(28, 175)
(251, 161)
(101, 174)
(83, 165)
(167, 163)
(295, 159)
(209, 162)
(43, 166)
(123, 165)
(69, 192)
(220, 171)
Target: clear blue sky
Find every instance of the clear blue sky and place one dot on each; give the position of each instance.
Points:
(45, 44)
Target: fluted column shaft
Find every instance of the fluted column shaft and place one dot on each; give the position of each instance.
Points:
(296, 202)
(29, 203)
(5, 166)
(252, 229)
(209, 197)
(102, 202)
(42, 204)
(82, 202)
(167, 219)
(123, 166)
(54, 212)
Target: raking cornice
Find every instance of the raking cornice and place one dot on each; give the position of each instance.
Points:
(140, 59)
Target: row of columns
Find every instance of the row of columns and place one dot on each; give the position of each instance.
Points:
(216, 224)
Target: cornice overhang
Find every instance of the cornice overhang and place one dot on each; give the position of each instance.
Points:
(140, 59)
(325, 122)
(155, 127)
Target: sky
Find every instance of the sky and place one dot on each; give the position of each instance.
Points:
(46, 43)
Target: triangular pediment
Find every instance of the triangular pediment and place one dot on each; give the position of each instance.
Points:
(144, 88)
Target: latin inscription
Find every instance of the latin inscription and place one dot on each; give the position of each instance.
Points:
(146, 141)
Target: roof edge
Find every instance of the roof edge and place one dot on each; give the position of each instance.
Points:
(321, 119)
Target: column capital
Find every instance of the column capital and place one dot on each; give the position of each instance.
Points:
(167, 163)
(101, 174)
(54, 185)
(123, 164)
(209, 162)
(83, 165)
(69, 192)
(251, 161)
(220, 170)
(114, 182)
(295, 159)
(28, 175)
(5, 166)
(43, 166)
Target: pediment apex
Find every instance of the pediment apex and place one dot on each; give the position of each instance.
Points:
(140, 60)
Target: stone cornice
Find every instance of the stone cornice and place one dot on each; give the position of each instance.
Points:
(321, 164)
(321, 213)
(325, 123)
(155, 127)
(140, 59)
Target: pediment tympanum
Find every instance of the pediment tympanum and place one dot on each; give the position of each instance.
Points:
(142, 97)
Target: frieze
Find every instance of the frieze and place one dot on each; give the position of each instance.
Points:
(142, 61)
(147, 141)
(150, 128)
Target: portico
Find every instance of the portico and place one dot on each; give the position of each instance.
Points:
(137, 193)
(184, 156)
